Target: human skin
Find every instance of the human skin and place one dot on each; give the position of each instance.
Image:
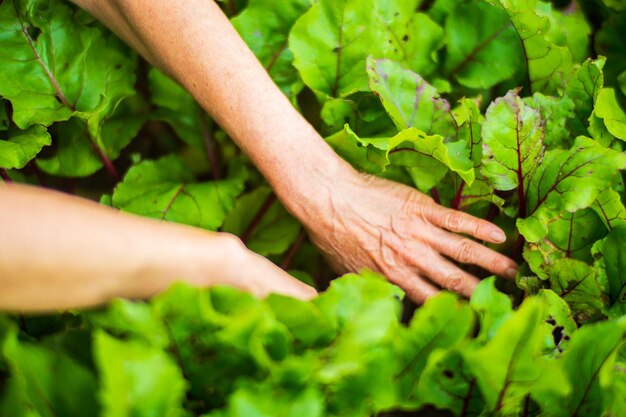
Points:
(356, 220)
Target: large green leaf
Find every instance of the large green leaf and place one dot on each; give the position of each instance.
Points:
(513, 136)
(480, 56)
(546, 62)
(441, 323)
(586, 363)
(21, 146)
(509, 367)
(610, 208)
(332, 40)
(615, 263)
(265, 26)
(137, 379)
(409, 100)
(57, 63)
(166, 190)
(427, 158)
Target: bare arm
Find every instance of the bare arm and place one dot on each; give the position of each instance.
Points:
(59, 251)
(356, 220)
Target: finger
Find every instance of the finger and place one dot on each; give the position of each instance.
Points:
(416, 287)
(277, 281)
(469, 252)
(460, 222)
(448, 275)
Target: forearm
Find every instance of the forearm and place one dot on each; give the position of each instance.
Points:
(195, 43)
(59, 251)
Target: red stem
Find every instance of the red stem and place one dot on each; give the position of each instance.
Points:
(435, 195)
(456, 203)
(5, 176)
(245, 236)
(293, 251)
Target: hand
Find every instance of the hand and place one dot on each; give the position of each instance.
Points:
(251, 272)
(402, 233)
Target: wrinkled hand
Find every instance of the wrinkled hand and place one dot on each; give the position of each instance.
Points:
(403, 234)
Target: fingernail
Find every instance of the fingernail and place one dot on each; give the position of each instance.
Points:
(511, 273)
(497, 236)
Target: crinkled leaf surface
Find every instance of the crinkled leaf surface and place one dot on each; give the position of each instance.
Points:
(166, 190)
(409, 99)
(57, 63)
(583, 88)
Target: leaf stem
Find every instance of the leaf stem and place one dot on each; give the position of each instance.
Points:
(468, 398)
(435, 194)
(293, 250)
(245, 236)
(209, 144)
(5, 176)
(456, 203)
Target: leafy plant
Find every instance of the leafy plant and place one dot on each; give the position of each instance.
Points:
(519, 119)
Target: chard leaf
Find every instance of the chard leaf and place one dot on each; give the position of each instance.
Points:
(43, 382)
(492, 307)
(166, 190)
(587, 363)
(513, 137)
(265, 26)
(558, 325)
(615, 263)
(409, 100)
(509, 367)
(123, 362)
(58, 63)
(448, 384)
(577, 283)
(608, 109)
(546, 62)
(426, 157)
(480, 56)
(583, 88)
(443, 321)
(21, 146)
(568, 180)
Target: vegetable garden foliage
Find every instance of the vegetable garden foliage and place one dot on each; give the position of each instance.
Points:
(512, 110)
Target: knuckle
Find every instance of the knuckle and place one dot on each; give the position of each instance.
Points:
(232, 242)
(465, 252)
(452, 221)
(454, 282)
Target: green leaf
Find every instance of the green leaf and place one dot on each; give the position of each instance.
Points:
(137, 379)
(546, 62)
(585, 363)
(568, 180)
(509, 366)
(616, 264)
(409, 100)
(265, 26)
(610, 209)
(274, 232)
(58, 63)
(480, 56)
(608, 108)
(513, 137)
(442, 322)
(568, 28)
(166, 190)
(492, 307)
(555, 113)
(558, 325)
(577, 283)
(583, 88)
(427, 158)
(44, 382)
(448, 384)
(21, 146)
(334, 64)
(175, 106)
